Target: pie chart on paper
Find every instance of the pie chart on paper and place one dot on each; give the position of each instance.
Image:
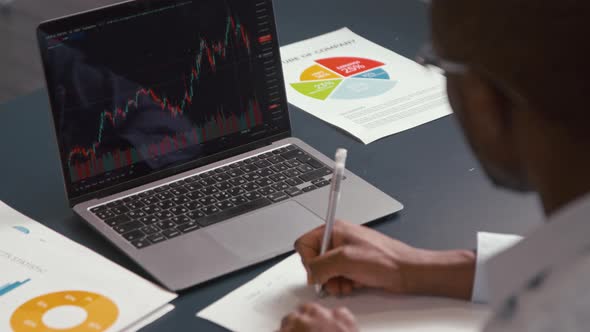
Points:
(344, 78)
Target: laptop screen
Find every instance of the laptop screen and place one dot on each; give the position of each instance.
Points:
(145, 87)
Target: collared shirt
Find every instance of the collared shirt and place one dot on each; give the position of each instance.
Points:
(539, 283)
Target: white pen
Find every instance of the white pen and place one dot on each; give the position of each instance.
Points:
(333, 204)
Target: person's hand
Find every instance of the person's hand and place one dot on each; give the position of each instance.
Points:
(312, 317)
(362, 257)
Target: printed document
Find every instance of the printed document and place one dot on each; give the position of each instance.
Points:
(361, 87)
(50, 283)
(261, 304)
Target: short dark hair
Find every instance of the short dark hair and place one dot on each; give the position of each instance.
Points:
(540, 48)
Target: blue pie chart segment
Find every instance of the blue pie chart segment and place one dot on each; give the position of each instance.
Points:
(377, 74)
(356, 88)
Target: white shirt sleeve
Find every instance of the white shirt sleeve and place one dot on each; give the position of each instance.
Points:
(488, 245)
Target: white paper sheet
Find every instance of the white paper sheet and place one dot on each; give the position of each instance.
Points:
(64, 284)
(361, 87)
(260, 305)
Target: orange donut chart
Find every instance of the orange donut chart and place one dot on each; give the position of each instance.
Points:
(102, 312)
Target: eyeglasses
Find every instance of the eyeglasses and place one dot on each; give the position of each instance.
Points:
(427, 57)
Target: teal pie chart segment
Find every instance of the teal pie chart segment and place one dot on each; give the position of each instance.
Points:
(355, 88)
(377, 74)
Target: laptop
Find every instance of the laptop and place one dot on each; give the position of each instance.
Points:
(174, 136)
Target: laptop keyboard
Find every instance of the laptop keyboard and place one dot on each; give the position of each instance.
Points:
(172, 210)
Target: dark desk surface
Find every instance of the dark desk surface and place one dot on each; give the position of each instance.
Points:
(429, 169)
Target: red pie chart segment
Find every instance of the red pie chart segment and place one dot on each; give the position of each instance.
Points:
(349, 66)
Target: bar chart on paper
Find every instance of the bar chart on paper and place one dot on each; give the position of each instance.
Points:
(344, 78)
(6, 288)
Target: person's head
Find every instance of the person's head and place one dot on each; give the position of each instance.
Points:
(527, 79)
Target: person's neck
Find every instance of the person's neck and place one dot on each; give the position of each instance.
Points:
(561, 175)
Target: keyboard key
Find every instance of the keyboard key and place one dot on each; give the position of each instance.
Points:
(224, 205)
(178, 210)
(156, 238)
(322, 183)
(164, 215)
(209, 191)
(266, 191)
(165, 205)
(142, 243)
(118, 220)
(193, 187)
(262, 164)
(292, 154)
(233, 212)
(179, 220)
(237, 181)
(188, 227)
(251, 186)
(266, 155)
(115, 204)
(150, 209)
(194, 215)
(134, 235)
(211, 209)
(195, 195)
(290, 147)
(292, 163)
(239, 200)
(249, 168)
(264, 182)
(171, 233)
(293, 192)
(137, 214)
(193, 206)
(207, 182)
(252, 196)
(150, 200)
(223, 186)
(309, 188)
(148, 220)
(276, 159)
(164, 195)
(166, 224)
(179, 200)
(264, 172)
(235, 172)
(128, 227)
(162, 189)
(207, 200)
(105, 214)
(291, 173)
(221, 177)
(305, 168)
(318, 173)
(149, 230)
(178, 191)
(146, 194)
(98, 209)
(135, 205)
(277, 177)
(177, 184)
(294, 181)
(221, 196)
(277, 197)
(190, 180)
(281, 186)
(236, 191)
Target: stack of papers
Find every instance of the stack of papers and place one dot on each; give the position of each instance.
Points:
(264, 301)
(361, 87)
(50, 283)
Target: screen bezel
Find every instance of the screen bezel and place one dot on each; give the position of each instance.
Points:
(66, 23)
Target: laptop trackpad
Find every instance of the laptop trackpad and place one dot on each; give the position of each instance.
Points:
(265, 233)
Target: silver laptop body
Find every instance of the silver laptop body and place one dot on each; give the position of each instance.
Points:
(177, 252)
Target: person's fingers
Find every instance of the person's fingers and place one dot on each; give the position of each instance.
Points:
(332, 287)
(339, 262)
(309, 308)
(343, 314)
(346, 287)
(308, 246)
(289, 320)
